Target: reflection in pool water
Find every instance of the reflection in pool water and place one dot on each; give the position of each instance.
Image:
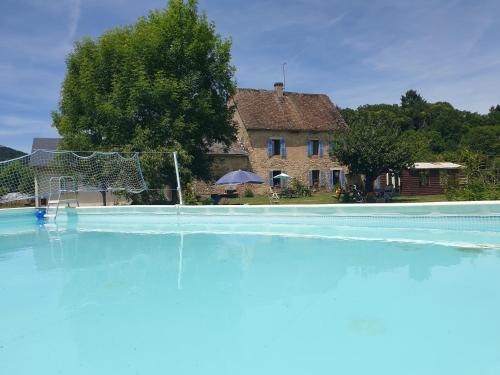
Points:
(283, 298)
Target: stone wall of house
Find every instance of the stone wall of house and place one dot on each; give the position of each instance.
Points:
(222, 164)
(296, 163)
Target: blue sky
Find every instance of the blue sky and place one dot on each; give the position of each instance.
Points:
(355, 51)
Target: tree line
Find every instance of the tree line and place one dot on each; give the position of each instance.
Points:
(438, 129)
(387, 138)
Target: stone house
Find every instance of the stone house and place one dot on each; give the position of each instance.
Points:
(281, 131)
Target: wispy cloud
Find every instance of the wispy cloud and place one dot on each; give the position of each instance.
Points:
(74, 17)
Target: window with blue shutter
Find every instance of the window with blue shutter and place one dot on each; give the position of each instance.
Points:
(320, 149)
(313, 147)
(310, 178)
(269, 147)
(283, 148)
(322, 178)
(331, 179)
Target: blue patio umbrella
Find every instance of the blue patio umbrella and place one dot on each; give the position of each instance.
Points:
(240, 177)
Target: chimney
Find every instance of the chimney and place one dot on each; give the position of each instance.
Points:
(278, 88)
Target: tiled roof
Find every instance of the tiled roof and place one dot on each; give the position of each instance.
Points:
(264, 109)
(48, 144)
(42, 159)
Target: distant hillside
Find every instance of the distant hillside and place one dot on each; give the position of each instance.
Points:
(7, 153)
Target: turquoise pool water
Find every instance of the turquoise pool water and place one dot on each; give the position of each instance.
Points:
(147, 291)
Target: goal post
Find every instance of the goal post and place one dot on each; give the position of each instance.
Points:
(179, 190)
(29, 176)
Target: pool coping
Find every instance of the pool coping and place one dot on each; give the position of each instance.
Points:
(453, 208)
(343, 205)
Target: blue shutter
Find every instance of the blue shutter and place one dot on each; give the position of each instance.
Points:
(271, 178)
(309, 148)
(283, 148)
(321, 178)
(310, 179)
(331, 180)
(320, 149)
(269, 147)
(330, 148)
(343, 180)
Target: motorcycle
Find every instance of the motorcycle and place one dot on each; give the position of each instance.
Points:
(354, 194)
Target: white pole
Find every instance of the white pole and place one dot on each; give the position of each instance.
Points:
(37, 196)
(179, 191)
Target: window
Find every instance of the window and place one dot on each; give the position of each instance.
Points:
(315, 178)
(315, 147)
(275, 181)
(276, 147)
(423, 178)
(333, 178)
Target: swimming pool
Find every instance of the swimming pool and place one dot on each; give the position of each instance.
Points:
(347, 289)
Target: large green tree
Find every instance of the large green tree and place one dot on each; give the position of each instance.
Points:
(483, 139)
(159, 85)
(416, 108)
(371, 145)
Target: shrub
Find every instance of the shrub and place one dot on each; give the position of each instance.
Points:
(301, 189)
(248, 193)
(482, 179)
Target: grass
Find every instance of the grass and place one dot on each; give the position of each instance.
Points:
(421, 198)
(326, 198)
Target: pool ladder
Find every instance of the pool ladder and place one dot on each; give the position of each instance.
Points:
(65, 185)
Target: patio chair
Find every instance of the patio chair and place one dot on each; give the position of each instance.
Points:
(389, 193)
(216, 198)
(273, 196)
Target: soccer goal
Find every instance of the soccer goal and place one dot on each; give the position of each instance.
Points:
(38, 175)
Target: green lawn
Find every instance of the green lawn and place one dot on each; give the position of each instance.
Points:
(326, 198)
(421, 198)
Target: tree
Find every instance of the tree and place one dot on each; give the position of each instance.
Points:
(483, 139)
(412, 99)
(449, 123)
(7, 153)
(494, 115)
(372, 145)
(16, 177)
(416, 108)
(159, 85)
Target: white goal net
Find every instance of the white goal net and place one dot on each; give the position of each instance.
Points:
(30, 176)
